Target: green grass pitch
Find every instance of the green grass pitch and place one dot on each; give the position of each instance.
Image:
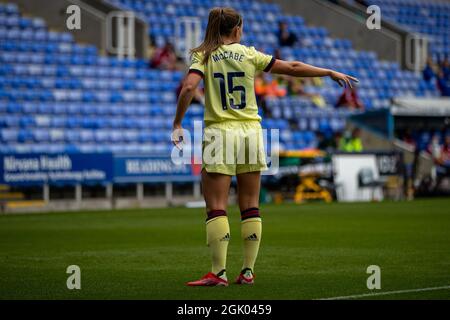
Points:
(308, 252)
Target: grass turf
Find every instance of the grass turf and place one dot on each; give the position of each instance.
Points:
(308, 251)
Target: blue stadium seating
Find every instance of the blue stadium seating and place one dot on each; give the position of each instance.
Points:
(431, 18)
(56, 95)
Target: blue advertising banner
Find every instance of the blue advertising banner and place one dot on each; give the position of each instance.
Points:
(141, 168)
(37, 169)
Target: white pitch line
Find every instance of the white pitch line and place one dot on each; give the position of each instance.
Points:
(356, 296)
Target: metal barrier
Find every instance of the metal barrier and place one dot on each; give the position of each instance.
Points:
(416, 47)
(122, 22)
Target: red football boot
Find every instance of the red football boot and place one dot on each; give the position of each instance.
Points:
(246, 277)
(209, 280)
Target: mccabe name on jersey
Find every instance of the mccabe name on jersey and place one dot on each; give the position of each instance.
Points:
(229, 76)
(227, 55)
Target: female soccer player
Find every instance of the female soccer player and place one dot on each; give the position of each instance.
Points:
(228, 70)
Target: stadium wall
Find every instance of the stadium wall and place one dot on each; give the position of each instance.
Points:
(93, 21)
(97, 204)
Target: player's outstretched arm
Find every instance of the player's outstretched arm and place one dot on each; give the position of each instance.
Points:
(300, 69)
(184, 100)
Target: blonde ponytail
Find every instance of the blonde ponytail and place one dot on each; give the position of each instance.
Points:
(221, 22)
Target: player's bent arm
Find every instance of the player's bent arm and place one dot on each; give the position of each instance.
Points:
(184, 100)
(300, 69)
(187, 93)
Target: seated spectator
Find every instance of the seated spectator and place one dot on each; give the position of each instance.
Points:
(260, 89)
(337, 140)
(265, 87)
(277, 54)
(445, 153)
(326, 141)
(317, 82)
(285, 37)
(445, 68)
(441, 158)
(151, 47)
(295, 87)
(408, 138)
(443, 84)
(429, 72)
(349, 99)
(351, 142)
(164, 58)
(434, 147)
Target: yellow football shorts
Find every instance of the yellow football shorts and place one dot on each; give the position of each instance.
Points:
(233, 147)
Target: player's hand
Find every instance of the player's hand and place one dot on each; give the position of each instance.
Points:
(177, 136)
(342, 79)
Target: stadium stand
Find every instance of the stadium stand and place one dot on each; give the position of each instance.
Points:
(431, 18)
(59, 96)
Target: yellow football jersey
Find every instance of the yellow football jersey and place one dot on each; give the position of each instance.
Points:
(229, 77)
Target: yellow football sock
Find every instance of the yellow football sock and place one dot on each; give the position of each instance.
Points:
(251, 230)
(218, 236)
